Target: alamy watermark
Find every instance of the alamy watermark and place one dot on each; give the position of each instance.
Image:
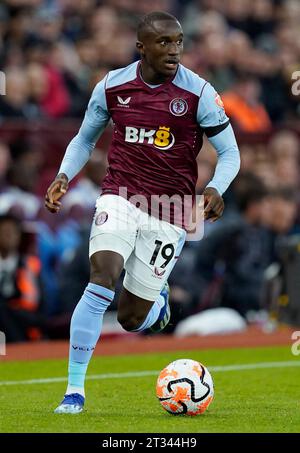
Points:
(296, 345)
(2, 343)
(296, 84)
(185, 212)
(2, 83)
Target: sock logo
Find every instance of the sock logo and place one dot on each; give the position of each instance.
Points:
(83, 348)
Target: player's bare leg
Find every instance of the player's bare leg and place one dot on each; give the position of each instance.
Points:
(132, 310)
(106, 268)
(136, 314)
(86, 325)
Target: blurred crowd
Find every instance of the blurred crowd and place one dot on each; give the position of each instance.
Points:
(53, 52)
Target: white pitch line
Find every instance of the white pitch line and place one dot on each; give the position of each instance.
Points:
(213, 369)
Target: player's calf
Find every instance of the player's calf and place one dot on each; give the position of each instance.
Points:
(131, 323)
(155, 319)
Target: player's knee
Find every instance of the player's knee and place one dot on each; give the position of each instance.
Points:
(130, 323)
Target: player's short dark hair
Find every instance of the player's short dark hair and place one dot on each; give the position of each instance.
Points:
(147, 21)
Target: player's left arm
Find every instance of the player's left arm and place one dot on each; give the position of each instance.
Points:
(212, 118)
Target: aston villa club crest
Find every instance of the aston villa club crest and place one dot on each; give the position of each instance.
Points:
(101, 218)
(178, 107)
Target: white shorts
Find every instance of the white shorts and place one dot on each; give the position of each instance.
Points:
(150, 247)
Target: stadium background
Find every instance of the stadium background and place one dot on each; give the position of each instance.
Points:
(52, 53)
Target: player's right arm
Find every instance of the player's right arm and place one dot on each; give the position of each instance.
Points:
(213, 120)
(81, 146)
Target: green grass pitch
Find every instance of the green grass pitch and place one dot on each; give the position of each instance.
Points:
(260, 398)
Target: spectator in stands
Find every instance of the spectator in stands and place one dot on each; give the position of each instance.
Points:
(15, 104)
(264, 168)
(284, 148)
(20, 292)
(281, 213)
(74, 275)
(88, 187)
(287, 172)
(260, 36)
(285, 144)
(22, 177)
(48, 90)
(243, 106)
(231, 260)
(248, 158)
(5, 160)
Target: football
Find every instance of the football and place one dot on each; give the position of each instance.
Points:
(185, 387)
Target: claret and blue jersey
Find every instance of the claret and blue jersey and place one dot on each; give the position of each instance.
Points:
(157, 133)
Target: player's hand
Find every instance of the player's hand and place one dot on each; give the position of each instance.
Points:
(213, 204)
(55, 191)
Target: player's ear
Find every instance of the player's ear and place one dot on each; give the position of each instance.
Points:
(140, 46)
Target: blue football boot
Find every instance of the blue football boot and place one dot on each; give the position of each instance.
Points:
(165, 312)
(71, 404)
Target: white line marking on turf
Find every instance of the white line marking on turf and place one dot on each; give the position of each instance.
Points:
(213, 369)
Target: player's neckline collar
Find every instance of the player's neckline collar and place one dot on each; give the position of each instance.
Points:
(148, 86)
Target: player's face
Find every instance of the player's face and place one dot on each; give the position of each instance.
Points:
(162, 48)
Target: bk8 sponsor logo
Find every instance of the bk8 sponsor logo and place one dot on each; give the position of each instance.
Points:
(161, 138)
